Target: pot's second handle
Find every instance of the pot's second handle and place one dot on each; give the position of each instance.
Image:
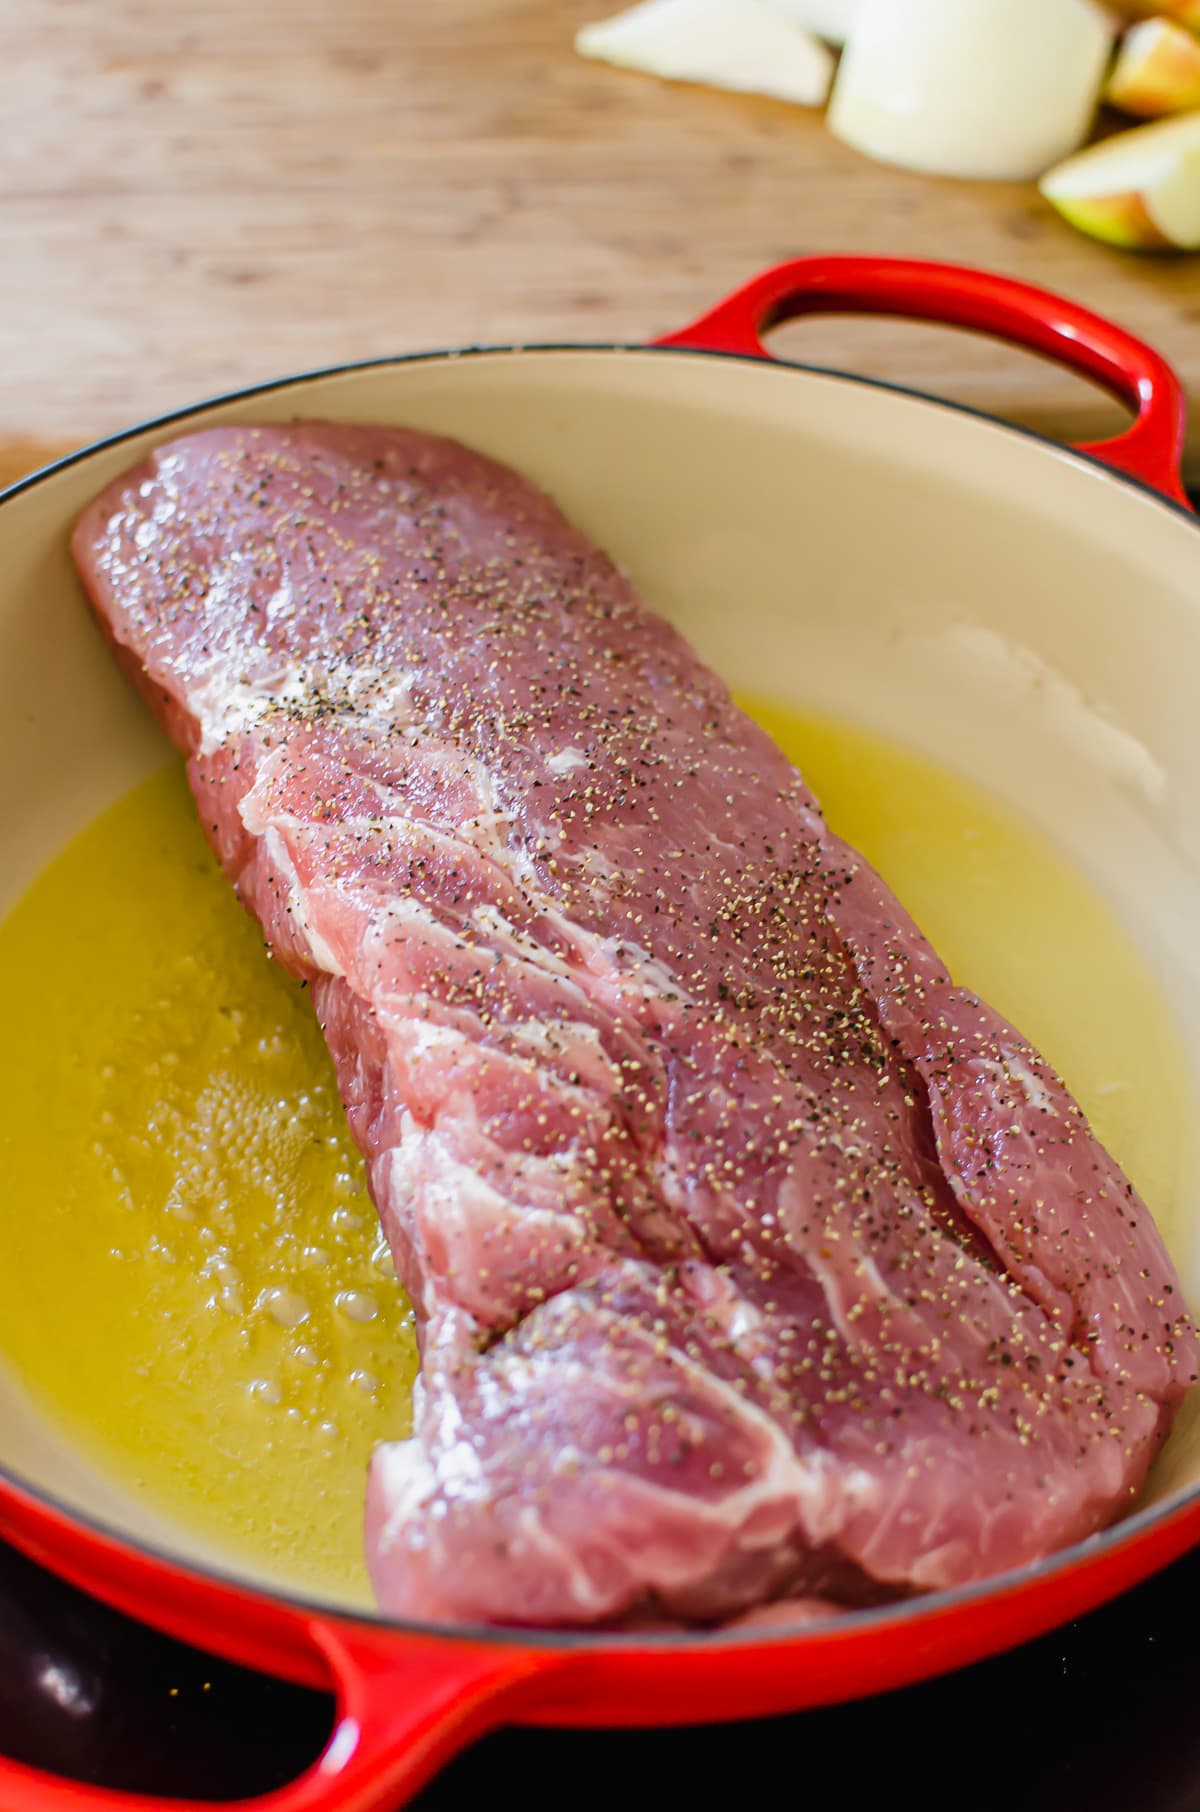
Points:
(405, 1705)
(1150, 450)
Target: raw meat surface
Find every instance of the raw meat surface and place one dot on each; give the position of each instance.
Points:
(752, 1258)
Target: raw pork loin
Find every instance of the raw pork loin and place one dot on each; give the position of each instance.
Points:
(752, 1258)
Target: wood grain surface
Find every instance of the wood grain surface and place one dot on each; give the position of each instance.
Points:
(193, 196)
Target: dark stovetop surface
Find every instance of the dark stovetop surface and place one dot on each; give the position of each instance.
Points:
(1102, 1716)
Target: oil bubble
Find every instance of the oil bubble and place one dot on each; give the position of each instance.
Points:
(357, 1305)
(287, 1307)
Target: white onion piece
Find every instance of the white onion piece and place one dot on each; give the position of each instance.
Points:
(828, 19)
(995, 89)
(739, 44)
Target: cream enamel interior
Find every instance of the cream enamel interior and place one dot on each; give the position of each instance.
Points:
(1013, 612)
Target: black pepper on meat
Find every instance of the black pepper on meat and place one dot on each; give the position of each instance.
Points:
(752, 1258)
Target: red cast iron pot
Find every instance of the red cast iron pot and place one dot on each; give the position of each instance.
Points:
(409, 1696)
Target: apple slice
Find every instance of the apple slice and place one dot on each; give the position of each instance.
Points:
(1139, 190)
(1186, 12)
(741, 44)
(828, 19)
(1157, 70)
(995, 89)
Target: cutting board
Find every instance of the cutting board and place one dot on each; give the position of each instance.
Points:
(194, 196)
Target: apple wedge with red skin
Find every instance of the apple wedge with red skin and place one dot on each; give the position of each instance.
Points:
(1157, 71)
(1139, 190)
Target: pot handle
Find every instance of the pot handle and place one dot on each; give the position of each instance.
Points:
(1151, 450)
(404, 1707)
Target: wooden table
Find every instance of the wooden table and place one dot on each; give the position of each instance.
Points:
(196, 195)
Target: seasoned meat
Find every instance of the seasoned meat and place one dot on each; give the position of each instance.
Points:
(752, 1258)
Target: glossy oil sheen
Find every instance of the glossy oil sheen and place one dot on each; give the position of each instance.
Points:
(193, 1284)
